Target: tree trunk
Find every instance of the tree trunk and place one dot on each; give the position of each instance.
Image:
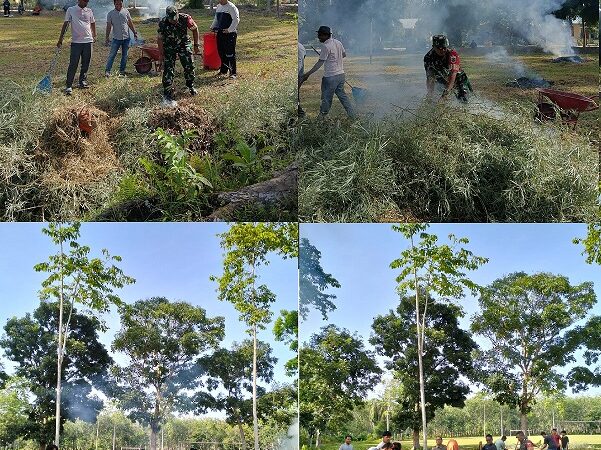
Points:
(255, 416)
(153, 438)
(524, 403)
(317, 439)
(420, 346)
(281, 190)
(242, 437)
(416, 438)
(59, 363)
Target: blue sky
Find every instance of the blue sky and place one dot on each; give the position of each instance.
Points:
(173, 260)
(358, 255)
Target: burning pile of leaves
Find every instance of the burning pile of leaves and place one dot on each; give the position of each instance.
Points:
(529, 83)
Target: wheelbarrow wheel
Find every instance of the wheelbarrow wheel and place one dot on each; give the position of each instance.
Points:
(143, 65)
(545, 111)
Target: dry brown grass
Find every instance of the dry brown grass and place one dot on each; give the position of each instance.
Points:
(75, 157)
(186, 116)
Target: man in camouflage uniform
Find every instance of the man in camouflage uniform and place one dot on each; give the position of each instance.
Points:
(444, 66)
(174, 41)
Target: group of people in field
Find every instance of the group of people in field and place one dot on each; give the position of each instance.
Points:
(442, 65)
(173, 41)
(550, 441)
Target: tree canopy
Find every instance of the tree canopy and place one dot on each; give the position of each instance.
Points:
(447, 357)
(30, 342)
(336, 372)
(162, 341)
(524, 318)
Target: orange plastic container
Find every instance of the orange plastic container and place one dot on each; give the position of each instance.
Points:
(210, 55)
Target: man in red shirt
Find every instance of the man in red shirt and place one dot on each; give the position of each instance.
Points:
(443, 66)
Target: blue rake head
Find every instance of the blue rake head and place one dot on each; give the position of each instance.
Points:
(45, 85)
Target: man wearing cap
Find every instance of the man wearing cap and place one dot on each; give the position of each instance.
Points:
(444, 66)
(174, 41)
(331, 55)
(225, 24)
(83, 34)
(120, 22)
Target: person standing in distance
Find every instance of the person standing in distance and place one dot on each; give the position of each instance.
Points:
(347, 443)
(225, 24)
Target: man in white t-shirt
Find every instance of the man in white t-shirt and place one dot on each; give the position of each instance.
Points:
(83, 34)
(120, 22)
(347, 440)
(331, 55)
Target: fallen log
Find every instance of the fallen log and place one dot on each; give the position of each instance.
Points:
(281, 190)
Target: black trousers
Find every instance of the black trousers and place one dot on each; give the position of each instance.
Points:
(226, 47)
(83, 52)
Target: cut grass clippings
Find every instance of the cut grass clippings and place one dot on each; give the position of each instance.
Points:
(447, 165)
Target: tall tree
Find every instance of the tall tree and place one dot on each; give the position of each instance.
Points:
(75, 277)
(162, 340)
(247, 247)
(592, 244)
(336, 372)
(447, 357)
(430, 270)
(231, 370)
(314, 282)
(525, 318)
(29, 342)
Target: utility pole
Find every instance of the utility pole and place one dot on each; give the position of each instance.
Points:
(114, 435)
(502, 420)
(484, 424)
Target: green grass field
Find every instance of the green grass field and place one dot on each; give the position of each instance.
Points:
(472, 443)
(250, 112)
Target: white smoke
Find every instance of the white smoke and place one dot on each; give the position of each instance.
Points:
(500, 57)
(290, 441)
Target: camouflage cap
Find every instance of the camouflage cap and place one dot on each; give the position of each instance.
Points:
(171, 12)
(440, 41)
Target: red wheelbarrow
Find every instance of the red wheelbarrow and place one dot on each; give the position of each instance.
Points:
(150, 55)
(569, 105)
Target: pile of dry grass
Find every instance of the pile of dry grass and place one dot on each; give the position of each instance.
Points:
(75, 157)
(186, 117)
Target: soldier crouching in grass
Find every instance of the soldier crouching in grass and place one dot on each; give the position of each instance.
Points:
(174, 41)
(443, 66)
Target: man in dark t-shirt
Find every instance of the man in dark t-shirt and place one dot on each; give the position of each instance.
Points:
(565, 440)
(548, 442)
(489, 443)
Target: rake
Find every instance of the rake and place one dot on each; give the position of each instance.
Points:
(45, 84)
